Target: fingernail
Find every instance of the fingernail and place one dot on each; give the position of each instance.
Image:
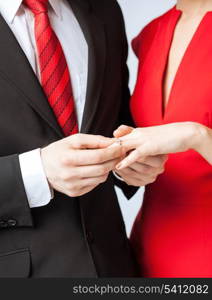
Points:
(119, 166)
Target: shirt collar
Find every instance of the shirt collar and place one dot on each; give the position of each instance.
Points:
(10, 8)
(56, 6)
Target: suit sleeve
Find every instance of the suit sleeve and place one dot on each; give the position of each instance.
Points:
(125, 115)
(14, 207)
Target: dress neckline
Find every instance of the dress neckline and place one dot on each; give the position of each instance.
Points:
(174, 19)
(179, 11)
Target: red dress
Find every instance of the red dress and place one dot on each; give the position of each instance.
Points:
(172, 235)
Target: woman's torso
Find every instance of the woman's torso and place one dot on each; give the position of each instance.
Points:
(174, 227)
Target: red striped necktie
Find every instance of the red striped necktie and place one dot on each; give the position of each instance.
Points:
(55, 77)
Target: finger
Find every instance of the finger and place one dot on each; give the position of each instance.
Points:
(93, 157)
(96, 170)
(143, 172)
(143, 168)
(87, 189)
(87, 141)
(129, 144)
(128, 173)
(165, 157)
(154, 161)
(122, 130)
(136, 182)
(133, 178)
(147, 170)
(129, 160)
(94, 180)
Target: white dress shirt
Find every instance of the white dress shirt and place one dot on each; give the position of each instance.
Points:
(21, 21)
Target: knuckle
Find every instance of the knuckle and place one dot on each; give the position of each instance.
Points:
(152, 172)
(65, 176)
(128, 181)
(153, 179)
(64, 160)
(132, 184)
(73, 190)
(104, 169)
(136, 182)
(100, 157)
(80, 173)
(74, 187)
(77, 140)
(69, 187)
(105, 177)
(70, 191)
(162, 170)
(102, 179)
(142, 183)
(72, 194)
(158, 171)
(73, 159)
(78, 160)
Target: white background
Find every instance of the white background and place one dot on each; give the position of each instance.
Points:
(137, 14)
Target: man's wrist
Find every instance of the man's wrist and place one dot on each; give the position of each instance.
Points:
(36, 185)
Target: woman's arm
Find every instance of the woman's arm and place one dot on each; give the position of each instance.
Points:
(165, 139)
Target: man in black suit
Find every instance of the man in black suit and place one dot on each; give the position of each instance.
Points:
(59, 214)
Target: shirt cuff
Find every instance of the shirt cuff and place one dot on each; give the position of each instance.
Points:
(118, 177)
(36, 185)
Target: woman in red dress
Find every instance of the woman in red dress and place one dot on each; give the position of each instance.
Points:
(172, 106)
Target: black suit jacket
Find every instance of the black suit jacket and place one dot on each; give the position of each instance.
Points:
(70, 237)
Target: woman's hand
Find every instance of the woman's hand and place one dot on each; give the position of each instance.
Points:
(164, 139)
(143, 172)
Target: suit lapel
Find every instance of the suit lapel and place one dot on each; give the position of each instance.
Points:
(94, 33)
(14, 67)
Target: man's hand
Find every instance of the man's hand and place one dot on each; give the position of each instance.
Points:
(76, 165)
(143, 172)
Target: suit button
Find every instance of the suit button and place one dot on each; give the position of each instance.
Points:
(3, 224)
(89, 236)
(12, 223)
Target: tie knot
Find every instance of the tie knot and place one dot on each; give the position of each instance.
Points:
(37, 6)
